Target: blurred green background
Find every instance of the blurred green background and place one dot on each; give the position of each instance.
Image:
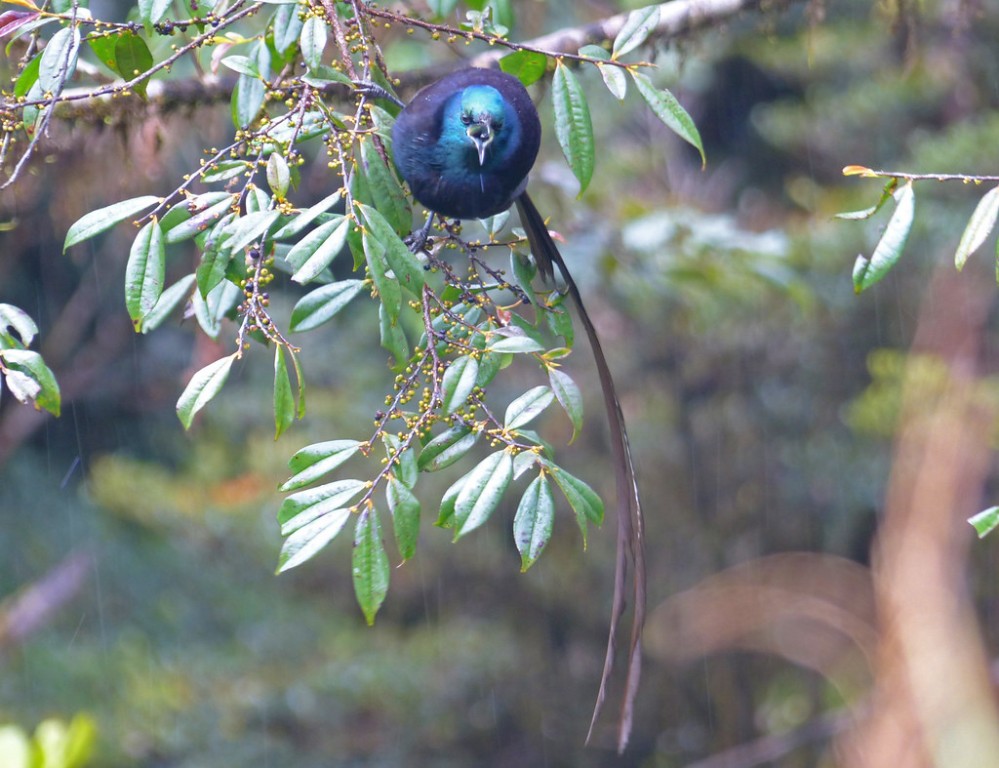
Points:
(761, 393)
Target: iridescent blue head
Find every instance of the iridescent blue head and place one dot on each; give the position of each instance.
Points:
(466, 143)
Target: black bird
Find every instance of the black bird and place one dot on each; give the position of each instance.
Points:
(465, 145)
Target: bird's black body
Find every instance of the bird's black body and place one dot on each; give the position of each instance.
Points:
(465, 145)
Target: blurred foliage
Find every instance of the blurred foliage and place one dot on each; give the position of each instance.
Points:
(758, 387)
(54, 744)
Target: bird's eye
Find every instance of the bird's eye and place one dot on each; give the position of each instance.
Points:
(466, 119)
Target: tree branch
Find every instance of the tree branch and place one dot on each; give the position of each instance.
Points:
(676, 18)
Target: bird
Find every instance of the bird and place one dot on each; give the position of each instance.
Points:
(465, 145)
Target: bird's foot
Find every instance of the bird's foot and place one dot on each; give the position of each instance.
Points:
(375, 91)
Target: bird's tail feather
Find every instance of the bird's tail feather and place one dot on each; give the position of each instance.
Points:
(631, 525)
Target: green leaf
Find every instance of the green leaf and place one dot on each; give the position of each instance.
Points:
(886, 194)
(523, 410)
(867, 272)
(635, 31)
(584, 500)
(386, 284)
(168, 301)
(458, 382)
(403, 461)
(306, 542)
(445, 449)
(103, 219)
(244, 65)
(212, 268)
(441, 9)
(305, 506)
(312, 41)
(192, 217)
(210, 310)
(247, 100)
(45, 389)
(985, 521)
(202, 387)
(445, 518)
(278, 175)
(316, 251)
(526, 66)
(320, 305)
(482, 491)
(515, 342)
(250, 229)
(393, 339)
(573, 127)
(58, 61)
(569, 397)
(151, 11)
(316, 460)
(532, 525)
(669, 111)
(16, 319)
(614, 79)
(284, 400)
(383, 194)
(306, 217)
(225, 170)
(407, 268)
(132, 58)
(287, 27)
(322, 75)
(28, 76)
(979, 226)
(405, 509)
(370, 565)
(145, 272)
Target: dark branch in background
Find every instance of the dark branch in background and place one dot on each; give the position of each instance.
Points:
(676, 18)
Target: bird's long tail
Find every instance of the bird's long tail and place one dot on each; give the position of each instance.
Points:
(630, 522)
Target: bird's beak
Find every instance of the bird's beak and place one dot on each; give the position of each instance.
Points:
(481, 134)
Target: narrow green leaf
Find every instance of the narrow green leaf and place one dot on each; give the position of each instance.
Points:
(635, 31)
(58, 62)
(151, 11)
(867, 272)
(284, 400)
(132, 58)
(386, 284)
(278, 175)
(532, 525)
(211, 310)
(244, 65)
(442, 9)
(322, 75)
(45, 389)
(312, 40)
(445, 449)
(573, 127)
(405, 266)
(985, 521)
(202, 387)
(516, 344)
(370, 565)
(405, 509)
(482, 491)
(16, 319)
(103, 219)
(316, 460)
(247, 100)
(287, 27)
(192, 217)
(168, 301)
(886, 194)
(250, 229)
(28, 77)
(445, 517)
(212, 268)
(225, 170)
(523, 410)
(615, 80)
(526, 66)
(306, 217)
(393, 339)
(669, 111)
(458, 382)
(316, 251)
(145, 272)
(584, 501)
(305, 506)
(320, 305)
(569, 397)
(980, 226)
(306, 542)
(383, 192)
